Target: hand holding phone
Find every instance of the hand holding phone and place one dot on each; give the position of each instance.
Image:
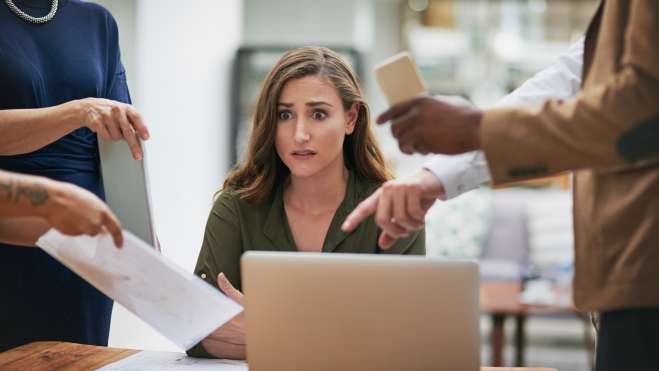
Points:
(399, 78)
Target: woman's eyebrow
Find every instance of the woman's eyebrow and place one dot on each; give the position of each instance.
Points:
(314, 104)
(285, 104)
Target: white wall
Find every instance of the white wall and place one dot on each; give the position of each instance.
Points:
(181, 84)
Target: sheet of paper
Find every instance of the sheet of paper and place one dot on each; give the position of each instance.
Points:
(166, 361)
(179, 305)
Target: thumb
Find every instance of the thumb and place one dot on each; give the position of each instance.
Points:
(385, 241)
(228, 289)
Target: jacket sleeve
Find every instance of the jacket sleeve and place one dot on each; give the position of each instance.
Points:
(597, 128)
(561, 80)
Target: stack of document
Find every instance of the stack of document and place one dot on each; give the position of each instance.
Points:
(179, 305)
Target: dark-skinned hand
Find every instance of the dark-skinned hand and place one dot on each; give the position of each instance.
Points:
(440, 124)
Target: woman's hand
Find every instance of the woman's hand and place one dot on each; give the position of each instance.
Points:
(228, 341)
(114, 120)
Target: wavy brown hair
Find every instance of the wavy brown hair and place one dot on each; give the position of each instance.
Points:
(262, 167)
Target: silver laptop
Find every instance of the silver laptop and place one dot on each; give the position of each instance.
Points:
(311, 311)
(127, 192)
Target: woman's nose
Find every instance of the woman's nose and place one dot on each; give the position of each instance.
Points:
(301, 131)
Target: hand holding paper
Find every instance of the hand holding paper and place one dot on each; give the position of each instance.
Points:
(179, 305)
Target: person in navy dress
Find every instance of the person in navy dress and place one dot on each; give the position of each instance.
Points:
(61, 84)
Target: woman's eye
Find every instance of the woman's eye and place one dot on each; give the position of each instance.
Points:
(319, 115)
(285, 115)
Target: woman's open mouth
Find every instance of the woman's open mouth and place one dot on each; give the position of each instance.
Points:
(303, 154)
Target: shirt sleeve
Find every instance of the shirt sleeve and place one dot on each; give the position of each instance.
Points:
(220, 250)
(117, 88)
(561, 80)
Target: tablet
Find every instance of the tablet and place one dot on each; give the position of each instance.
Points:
(127, 192)
(399, 78)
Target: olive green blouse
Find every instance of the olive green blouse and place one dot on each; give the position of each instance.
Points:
(234, 227)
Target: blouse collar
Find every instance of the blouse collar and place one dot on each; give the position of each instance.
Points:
(277, 229)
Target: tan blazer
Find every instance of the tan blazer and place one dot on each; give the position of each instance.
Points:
(609, 134)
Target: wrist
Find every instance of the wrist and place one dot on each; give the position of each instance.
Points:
(56, 195)
(474, 140)
(73, 113)
(434, 188)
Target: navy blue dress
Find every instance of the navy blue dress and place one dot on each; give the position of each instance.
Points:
(74, 56)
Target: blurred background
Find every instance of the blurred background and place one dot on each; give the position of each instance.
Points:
(194, 70)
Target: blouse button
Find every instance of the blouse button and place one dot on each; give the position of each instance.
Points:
(203, 275)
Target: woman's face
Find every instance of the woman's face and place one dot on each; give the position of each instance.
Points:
(311, 126)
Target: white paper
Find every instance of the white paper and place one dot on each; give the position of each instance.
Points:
(165, 361)
(179, 305)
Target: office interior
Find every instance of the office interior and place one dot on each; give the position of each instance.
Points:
(194, 68)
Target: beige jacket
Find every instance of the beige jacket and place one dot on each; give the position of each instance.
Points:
(609, 134)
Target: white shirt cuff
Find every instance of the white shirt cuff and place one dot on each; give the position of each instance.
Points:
(459, 173)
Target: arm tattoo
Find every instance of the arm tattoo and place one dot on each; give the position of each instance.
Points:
(8, 188)
(36, 193)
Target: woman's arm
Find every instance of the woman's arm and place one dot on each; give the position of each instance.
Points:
(220, 257)
(228, 341)
(26, 130)
(22, 231)
(30, 205)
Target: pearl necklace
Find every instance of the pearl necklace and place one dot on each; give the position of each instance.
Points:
(31, 19)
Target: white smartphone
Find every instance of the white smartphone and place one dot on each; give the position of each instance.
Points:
(399, 78)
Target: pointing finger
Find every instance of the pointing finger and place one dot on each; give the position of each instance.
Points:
(361, 212)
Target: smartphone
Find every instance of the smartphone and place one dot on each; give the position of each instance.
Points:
(399, 78)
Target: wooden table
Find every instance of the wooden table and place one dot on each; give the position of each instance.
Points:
(52, 355)
(501, 299)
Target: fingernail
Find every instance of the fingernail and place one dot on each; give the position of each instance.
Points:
(346, 225)
(145, 136)
(222, 277)
(137, 156)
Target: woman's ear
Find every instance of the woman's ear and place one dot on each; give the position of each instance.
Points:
(353, 113)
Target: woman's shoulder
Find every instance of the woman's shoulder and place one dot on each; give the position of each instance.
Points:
(92, 9)
(230, 198)
(227, 198)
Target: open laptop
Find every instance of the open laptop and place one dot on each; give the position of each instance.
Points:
(126, 184)
(311, 311)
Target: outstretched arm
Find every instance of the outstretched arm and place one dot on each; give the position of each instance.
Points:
(30, 205)
(448, 176)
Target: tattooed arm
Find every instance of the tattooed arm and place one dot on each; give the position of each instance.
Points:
(30, 205)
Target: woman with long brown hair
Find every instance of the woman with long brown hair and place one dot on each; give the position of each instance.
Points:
(312, 157)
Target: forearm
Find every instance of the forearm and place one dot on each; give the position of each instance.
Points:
(23, 231)
(222, 349)
(24, 195)
(584, 130)
(26, 130)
